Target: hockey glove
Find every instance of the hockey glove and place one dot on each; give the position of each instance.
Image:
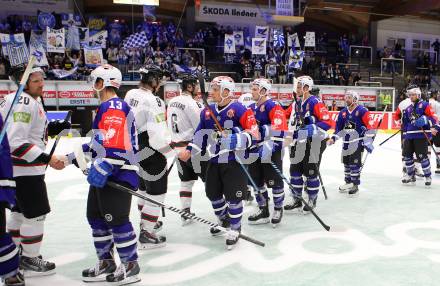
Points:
(363, 131)
(55, 127)
(99, 172)
(421, 121)
(368, 145)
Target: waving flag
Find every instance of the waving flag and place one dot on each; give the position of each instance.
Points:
(293, 41)
(259, 46)
(229, 44)
(136, 40)
(261, 32)
(296, 58)
(278, 38)
(238, 38)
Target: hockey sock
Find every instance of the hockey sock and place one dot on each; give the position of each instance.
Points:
(141, 202)
(313, 186)
(409, 165)
(426, 167)
(278, 197)
(355, 171)
(9, 258)
(220, 208)
(235, 212)
(261, 196)
(102, 237)
(31, 232)
(150, 212)
(125, 241)
(14, 225)
(186, 193)
(297, 181)
(347, 173)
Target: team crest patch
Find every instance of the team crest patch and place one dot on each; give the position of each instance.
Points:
(357, 113)
(307, 106)
(262, 108)
(230, 113)
(421, 105)
(219, 118)
(207, 115)
(239, 194)
(344, 114)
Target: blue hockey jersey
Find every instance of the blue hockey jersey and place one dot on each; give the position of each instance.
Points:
(411, 114)
(7, 184)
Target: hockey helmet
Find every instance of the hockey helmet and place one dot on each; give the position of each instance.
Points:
(187, 79)
(353, 94)
(305, 80)
(151, 72)
(224, 82)
(263, 83)
(413, 89)
(111, 76)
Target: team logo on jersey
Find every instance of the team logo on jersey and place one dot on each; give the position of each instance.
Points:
(262, 108)
(307, 106)
(110, 134)
(207, 115)
(421, 105)
(230, 113)
(357, 113)
(239, 194)
(344, 114)
(108, 217)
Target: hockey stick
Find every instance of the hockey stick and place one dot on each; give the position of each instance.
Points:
(430, 144)
(327, 228)
(386, 140)
(301, 120)
(82, 164)
(374, 137)
(220, 128)
(21, 87)
(52, 151)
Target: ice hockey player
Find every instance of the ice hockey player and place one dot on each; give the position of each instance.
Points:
(27, 135)
(352, 125)
(113, 149)
(9, 257)
(417, 120)
(225, 179)
(154, 140)
(183, 117)
(312, 120)
(272, 124)
(435, 106)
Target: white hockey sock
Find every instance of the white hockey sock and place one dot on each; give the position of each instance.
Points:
(141, 202)
(32, 236)
(150, 212)
(14, 225)
(186, 193)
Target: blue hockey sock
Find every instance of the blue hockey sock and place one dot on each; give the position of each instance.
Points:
(409, 164)
(347, 173)
(313, 186)
(297, 181)
(102, 237)
(220, 208)
(261, 196)
(125, 241)
(9, 259)
(426, 167)
(278, 197)
(355, 174)
(235, 212)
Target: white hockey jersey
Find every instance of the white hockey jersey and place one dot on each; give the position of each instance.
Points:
(27, 134)
(435, 105)
(149, 112)
(246, 99)
(183, 117)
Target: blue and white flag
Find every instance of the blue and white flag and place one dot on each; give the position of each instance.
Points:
(309, 40)
(6, 39)
(69, 20)
(136, 40)
(17, 53)
(37, 49)
(229, 44)
(238, 38)
(261, 32)
(61, 73)
(296, 58)
(259, 46)
(99, 39)
(72, 38)
(83, 36)
(46, 20)
(278, 38)
(293, 41)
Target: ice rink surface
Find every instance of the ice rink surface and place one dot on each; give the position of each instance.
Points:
(391, 237)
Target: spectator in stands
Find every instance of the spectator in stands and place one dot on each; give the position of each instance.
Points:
(122, 60)
(247, 69)
(346, 75)
(333, 107)
(271, 70)
(282, 74)
(356, 77)
(112, 55)
(259, 65)
(330, 74)
(338, 80)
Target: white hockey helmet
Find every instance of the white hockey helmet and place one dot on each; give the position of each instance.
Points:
(224, 82)
(305, 80)
(263, 83)
(111, 76)
(352, 94)
(414, 89)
